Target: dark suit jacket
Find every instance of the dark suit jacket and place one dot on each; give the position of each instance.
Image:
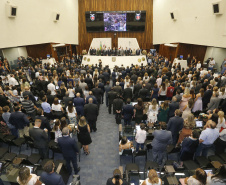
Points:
(117, 104)
(39, 136)
(50, 99)
(107, 88)
(136, 89)
(51, 179)
(118, 89)
(66, 100)
(111, 96)
(206, 97)
(162, 138)
(172, 107)
(97, 92)
(128, 93)
(93, 97)
(68, 146)
(174, 125)
(45, 122)
(19, 120)
(127, 111)
(91, 111)
(79, 104)
(79, 90)
(143, 93)
(3, 101)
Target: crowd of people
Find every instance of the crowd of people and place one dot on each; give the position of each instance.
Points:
(67, 95)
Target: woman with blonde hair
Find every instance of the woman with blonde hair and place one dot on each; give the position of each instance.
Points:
(187, 109)
(152, 179)
(26, 178)
(198, 101)
(221, 121)
(189, 124)
(127, 81)
(84, 134)
(152, 112)
(185, 98)
(222, 94)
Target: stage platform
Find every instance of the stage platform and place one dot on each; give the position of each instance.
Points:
(119, 60)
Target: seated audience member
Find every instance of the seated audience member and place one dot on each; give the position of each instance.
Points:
(49, 177)
(26, 178)
(116, 179)
(56, 129)
(162, 138)
(189, 124)
(140, 137)
(125, 144)
(207, 138)
(219, 178)
(152, 179)
(189, 146)
(200, 178)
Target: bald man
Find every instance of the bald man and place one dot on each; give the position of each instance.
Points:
(207, 138)
(79, 104)
(27, 92)
(91, 113)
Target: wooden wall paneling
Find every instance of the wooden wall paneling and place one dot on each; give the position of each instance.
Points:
(145, 39)
(195, 50)
(166, 51)
(39, 50)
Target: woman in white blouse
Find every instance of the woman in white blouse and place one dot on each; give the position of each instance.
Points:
(26, 178)
(56, 106)
(71, 112)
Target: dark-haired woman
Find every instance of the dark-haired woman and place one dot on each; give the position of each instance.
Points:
(71, 112)
(125, 144)
(116, 179)
(219, 178)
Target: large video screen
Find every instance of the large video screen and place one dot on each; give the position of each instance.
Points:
(115, 21)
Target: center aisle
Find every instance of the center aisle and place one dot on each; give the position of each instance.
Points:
(98, 166)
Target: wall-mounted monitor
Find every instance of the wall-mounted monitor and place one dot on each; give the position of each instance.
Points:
(115, 21)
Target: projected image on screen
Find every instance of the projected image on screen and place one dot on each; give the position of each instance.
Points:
(115, 22)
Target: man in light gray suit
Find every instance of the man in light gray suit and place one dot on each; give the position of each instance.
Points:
(40, 138)
(162, 138)
(214, 102)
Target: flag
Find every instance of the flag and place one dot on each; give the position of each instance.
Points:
(100, 45)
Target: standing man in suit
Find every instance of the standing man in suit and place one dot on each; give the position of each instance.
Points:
(206, 97)
(127, 93)
(69, 148)
(162, 138)
(214, 102)
(118, 88)
(136, 90)
(66, 99)
(40, 138)
(143, 93)
(97, 92)
(49, 176)
(79, 104)
(127, 112)
(111, 96)
(107, 88)
(175, 125)
(117, 109)
(20, 121)
(189, 60)
(172, 107)
(91, 113)
(138, 51)
(109, 51)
